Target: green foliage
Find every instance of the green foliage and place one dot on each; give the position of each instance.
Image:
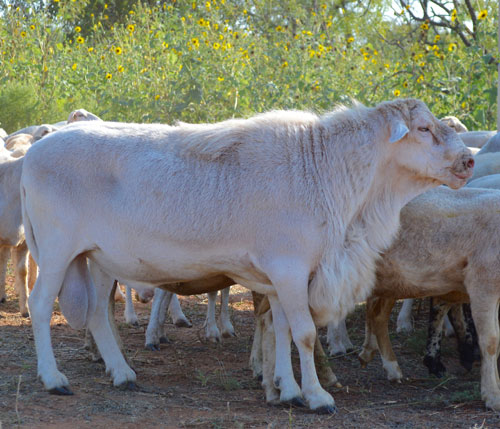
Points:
(162, 61)
(17, 105)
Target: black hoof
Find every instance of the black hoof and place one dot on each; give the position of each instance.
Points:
(129, 385)
(259, 377)
(164, 340)
(25, 315)
(61, 391)
(182, 323)
(153, 347)
(296, 402)
(435, 366)
(2, 300)
(228, 335)
(327, 409)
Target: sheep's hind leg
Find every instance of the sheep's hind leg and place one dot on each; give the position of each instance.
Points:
(102, 331)
(485, 314)
(41, 302)
(4, 258)
(20, 263)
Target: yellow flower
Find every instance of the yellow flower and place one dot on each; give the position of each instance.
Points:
(131, 28)
(118, 50)
(91, 49)
(279, 28)
(78, 29)
(109, 76)
(453, 15)
(452, 47)
(23, 33)
(424, 26)
(56, 1)
(32, 27)
(405, 84)
(397, 92)
(285, 64)
(120, 69)
(464, 104)
(350, 40)
(195, 42)
(420, 79)
(73, 67)
(105, 6)
(80, 39)
(216, 46)
(157, 97)
(422, 64)
(220, 78)
(437, 37)
(483, 14)
(131, 12)
(201, 22)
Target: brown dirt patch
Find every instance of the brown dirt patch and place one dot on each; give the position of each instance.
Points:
(191, 383)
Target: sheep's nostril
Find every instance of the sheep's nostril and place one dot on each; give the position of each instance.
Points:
(470, 163)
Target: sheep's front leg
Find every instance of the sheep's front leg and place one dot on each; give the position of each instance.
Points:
(291, 310)
(103, 334)
(378, 311)
(432, 359)
(4, 258)
(179, 319)
(404, 323)
(154, 331)
(212, 332)
(485, 314)
(225, 319)
(20, 263)
(32, 272)
(130, 315)
(338, 339)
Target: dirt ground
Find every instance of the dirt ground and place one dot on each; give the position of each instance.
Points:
(191, 383)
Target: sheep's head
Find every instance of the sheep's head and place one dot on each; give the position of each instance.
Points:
(425, 146)
(82, 115)
(454, 122)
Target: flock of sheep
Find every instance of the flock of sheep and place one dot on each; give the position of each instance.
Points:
(296, 207)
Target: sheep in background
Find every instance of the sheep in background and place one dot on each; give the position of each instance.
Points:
(462, 267)
(455, 123)
(492, 145)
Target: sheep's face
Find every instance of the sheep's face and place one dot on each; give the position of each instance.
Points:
(429, 149)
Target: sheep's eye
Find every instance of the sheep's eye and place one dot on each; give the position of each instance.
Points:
(424, 129)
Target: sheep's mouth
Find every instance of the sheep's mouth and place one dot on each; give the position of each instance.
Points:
(463, 176)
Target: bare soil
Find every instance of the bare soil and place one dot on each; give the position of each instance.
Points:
(192, 383)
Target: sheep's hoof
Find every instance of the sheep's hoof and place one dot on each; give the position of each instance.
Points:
(183, 323)
(327, 409)
(3, 299)
(128, 385)
(61, 391)
(164, 340)
(296, 402)
(228, 334)
(153, 347)
(26, 314)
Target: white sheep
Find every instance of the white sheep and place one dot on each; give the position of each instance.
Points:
(476, 138)
(492, 145)
(455, 123)
(486, 165)
(285, 203)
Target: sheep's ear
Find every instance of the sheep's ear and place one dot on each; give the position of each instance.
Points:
(398, 131)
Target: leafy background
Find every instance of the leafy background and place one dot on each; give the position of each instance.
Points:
(199, 61)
